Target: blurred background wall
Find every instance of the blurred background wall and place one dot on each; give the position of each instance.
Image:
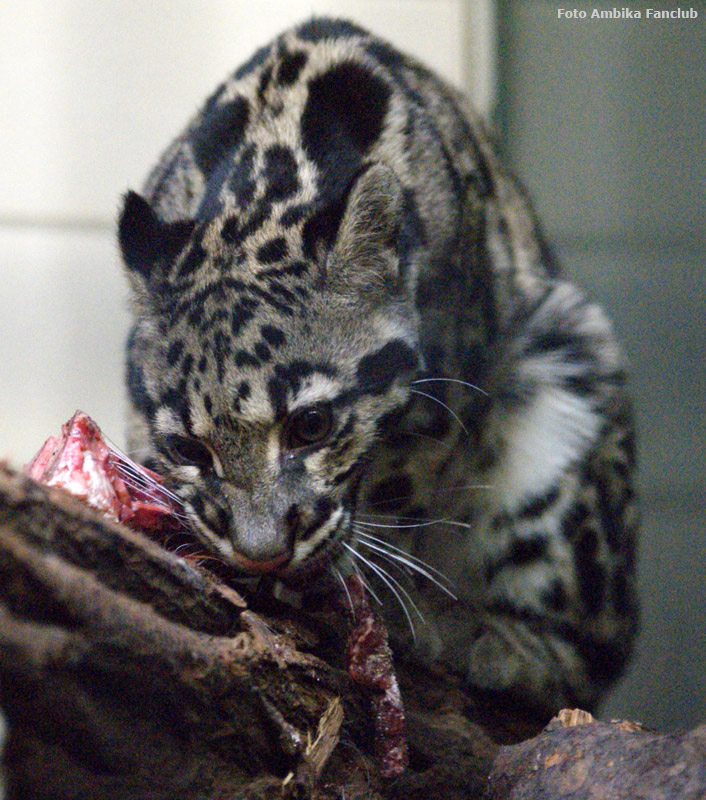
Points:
(603, 120)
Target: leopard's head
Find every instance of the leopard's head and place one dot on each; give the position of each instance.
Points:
(263, 368)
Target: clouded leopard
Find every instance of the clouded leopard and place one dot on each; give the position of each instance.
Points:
(352, 350)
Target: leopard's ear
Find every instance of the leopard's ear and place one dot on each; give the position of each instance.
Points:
(148, 245)
(369, 250)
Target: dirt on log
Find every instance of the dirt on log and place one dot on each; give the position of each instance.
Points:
(127, 672)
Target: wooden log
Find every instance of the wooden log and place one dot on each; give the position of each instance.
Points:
(127, 672)
(580, 758)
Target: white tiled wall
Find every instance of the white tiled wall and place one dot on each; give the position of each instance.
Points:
(91, 92)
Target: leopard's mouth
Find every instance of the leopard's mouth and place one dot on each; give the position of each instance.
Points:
(317, 546)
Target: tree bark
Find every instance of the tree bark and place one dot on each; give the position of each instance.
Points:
(128, 672)
(580, 758)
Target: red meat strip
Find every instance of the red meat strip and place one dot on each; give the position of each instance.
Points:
(369, 661)
(80, 462)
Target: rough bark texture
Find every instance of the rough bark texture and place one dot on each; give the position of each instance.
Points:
(590, 760)
(126, 672)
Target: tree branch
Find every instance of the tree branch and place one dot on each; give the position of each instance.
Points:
(127, 672)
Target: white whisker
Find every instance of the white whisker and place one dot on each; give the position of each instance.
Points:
(128, 469)
(187, 546)
(343, 583)
(455, 522)
(368, 588)
(398, 556)
(391, 583)
(155, 493)
(423, 524)
(143, 451)
(441, 403)
(391, 547)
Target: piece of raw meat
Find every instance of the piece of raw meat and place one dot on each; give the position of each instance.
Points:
(80, 461)
(369, 662)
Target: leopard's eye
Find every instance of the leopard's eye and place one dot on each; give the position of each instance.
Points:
(189, 452)
(309, 426)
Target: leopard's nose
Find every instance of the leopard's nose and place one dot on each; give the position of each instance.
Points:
(270, 548)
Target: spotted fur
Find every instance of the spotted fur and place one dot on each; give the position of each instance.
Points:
(350, 337)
